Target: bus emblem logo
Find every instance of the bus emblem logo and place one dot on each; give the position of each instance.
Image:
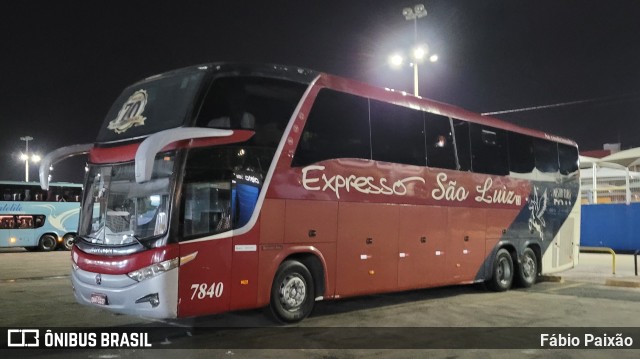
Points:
(538, 205)
(98, 279)
(131, 113)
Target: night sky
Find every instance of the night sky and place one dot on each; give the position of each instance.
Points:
(64, 62)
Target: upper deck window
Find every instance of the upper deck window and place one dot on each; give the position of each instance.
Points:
(397, 134)
(521, 156)
(337, 127)
(489, 146)
(441, 152)
(568, 158)
(546, 153)
(263, 105)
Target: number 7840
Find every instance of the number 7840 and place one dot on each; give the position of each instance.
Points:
(203, 290)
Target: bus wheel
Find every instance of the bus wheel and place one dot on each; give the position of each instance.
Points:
(68, 240)
(47, 243)
(502, 272)
(528, 272)
(292, 292)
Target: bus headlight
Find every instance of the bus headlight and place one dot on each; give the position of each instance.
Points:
(153, 270)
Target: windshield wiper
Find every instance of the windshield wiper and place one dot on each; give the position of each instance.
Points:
(85, 237)
(146, 246)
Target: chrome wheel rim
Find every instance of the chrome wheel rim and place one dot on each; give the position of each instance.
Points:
(504, 271)
(528, 267)
(293, 291)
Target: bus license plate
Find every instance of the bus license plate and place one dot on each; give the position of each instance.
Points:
(100, 299)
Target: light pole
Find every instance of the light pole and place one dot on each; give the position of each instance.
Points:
(419, 53)
(25, 157)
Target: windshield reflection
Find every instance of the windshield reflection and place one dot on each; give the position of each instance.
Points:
(118, 211)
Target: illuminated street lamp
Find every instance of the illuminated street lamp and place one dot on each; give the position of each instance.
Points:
(25, 157)
(419, 51)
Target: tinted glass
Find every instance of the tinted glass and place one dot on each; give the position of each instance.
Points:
(568, 156)
(251, 103)
(546, 153)
(220, 189)
(397, 134)
(463, 147)
(439, 139)
(156, 104)
(337, 127)
(521, 156)
(489, 148)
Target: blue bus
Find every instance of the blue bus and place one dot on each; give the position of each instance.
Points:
(38, 219)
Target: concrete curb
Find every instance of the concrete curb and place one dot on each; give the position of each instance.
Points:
(550, 278)
(628, 283)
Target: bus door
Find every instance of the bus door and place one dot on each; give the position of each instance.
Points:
(204, 278)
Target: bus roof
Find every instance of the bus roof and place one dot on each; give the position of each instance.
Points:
(402, 98)
(292, 73)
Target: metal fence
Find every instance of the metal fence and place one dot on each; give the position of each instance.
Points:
(602, 185)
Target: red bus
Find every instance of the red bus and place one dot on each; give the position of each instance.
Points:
(227, 186)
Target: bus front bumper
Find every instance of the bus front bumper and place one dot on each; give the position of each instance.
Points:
(155, 297)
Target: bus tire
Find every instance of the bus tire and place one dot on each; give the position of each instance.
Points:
(68, 241)
(47, 243)
(292, 292)
(528, 271)
(502, 276)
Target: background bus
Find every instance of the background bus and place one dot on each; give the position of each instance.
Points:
(38, 219)
(223, 187)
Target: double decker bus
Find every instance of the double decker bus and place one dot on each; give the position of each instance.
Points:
(223, 187)
(37, 219)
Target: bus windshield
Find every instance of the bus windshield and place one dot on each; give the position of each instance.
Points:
(155, 104)
(118, 211)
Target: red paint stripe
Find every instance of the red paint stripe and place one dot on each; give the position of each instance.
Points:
(123, 264)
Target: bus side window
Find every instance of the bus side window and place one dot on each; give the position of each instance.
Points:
(25, 222)
(6, 222)
(568, 158)
(439, 139)
(337, 127)
(546, 153)
(521, 156)
(489, 148)
(38, 221)
(397, 134)
(463, 147)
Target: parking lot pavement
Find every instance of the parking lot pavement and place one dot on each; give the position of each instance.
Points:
(599, 268)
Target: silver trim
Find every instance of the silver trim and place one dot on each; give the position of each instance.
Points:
(149, 148)
(57, 155)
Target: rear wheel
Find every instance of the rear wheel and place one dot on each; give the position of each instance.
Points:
(47, 243)
(502, 277)
(292, 292)
(528, 271)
